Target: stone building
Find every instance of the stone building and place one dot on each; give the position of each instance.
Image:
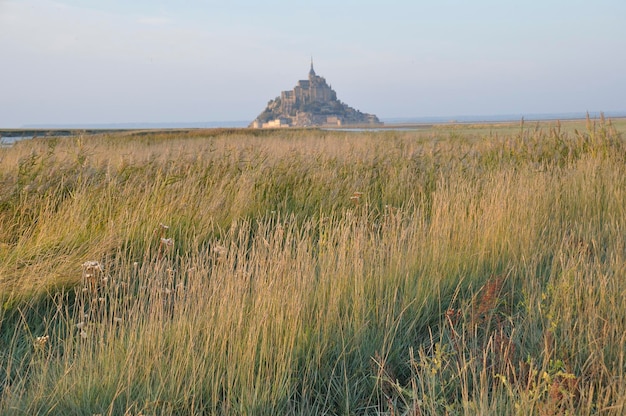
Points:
(312, 102)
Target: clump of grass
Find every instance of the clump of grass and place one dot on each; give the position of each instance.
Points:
(314, 272)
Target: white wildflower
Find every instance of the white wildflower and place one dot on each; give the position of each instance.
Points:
(41, 341)
(92, 266)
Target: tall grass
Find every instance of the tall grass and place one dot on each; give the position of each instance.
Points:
(313, 272)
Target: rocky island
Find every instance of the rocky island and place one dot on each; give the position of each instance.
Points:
(312, 102)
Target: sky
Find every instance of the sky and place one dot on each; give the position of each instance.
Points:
(156, 61)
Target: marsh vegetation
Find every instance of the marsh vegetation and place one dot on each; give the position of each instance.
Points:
(461, 271)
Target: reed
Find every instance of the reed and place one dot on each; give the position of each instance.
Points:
(315, 272)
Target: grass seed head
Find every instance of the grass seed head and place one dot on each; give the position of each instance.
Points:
(356, 197)
(221, 251)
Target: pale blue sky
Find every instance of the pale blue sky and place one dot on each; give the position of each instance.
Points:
(120, 61)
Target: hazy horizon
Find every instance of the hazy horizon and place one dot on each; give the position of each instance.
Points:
(389, 121)
(83, 62)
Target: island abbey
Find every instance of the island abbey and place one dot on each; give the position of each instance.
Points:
(312, 102)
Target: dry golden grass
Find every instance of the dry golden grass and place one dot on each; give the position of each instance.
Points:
(315, 272)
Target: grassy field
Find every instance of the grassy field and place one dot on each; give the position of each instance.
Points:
(467, 269)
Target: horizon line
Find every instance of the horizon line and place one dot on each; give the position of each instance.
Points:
(393, 119)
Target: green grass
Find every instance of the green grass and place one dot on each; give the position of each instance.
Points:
(467, 270)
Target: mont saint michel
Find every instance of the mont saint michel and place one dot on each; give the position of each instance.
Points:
(312, 102)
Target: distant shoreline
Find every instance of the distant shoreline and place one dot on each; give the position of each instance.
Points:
(389, 124)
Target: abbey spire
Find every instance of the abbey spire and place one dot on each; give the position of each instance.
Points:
(312, 71)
